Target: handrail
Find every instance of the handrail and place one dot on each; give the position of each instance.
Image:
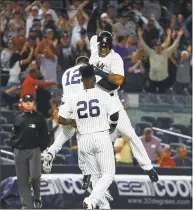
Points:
(6, 152)
(173, 133)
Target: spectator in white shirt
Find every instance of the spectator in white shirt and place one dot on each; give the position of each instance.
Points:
(76, 5)
(15, 67)
(6, 55)
(15, 24)
(34, 14)
(183, 73)
(82, 23)
(45, 10)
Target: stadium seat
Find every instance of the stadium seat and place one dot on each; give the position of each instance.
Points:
(67, 157)
(149, 119)
(189, 130)
(158, 134)
(4, 135)
(3, 120)
(182, 128)
(169, 138)
(65, 151)
(8, 115)
(7, 127)
(139, 127)
(164, 122)
(59, 159)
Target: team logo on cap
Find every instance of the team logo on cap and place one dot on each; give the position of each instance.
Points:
(32, 125)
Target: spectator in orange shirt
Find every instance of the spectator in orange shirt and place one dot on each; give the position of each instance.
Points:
(29, 84)
(20, 39)
(165, 159)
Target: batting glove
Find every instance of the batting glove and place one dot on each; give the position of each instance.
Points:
(153, 175)
(47, 163)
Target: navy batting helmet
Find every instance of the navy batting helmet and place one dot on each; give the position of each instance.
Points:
(105, 40)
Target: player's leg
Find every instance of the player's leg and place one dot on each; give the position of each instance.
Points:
(124, 126)
(85, 145)
(83, 167)
(86, 175)
(64, 135)
(104, 202)
(106, 163)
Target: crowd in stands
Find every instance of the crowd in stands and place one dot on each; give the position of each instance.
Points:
(153, 37)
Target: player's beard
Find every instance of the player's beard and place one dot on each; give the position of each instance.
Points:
(103, 51)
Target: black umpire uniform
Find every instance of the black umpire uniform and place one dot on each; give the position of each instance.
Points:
(29, 138)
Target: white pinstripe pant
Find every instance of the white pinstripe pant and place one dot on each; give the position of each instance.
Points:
(97, 150)
(124, 127)
(66, 133)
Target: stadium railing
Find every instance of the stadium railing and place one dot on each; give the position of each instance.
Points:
(173, 139)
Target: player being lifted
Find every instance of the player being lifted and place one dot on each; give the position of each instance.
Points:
(71, 83)
(110, 75)
(89, 110)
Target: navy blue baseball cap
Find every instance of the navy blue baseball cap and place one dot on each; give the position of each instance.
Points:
(27, 97)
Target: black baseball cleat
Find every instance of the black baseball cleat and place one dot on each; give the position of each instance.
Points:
(152, 175)
(38, 204)
(86, 182)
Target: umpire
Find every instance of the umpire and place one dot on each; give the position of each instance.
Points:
(29, 138)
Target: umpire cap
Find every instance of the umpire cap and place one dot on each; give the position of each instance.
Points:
(27, 97)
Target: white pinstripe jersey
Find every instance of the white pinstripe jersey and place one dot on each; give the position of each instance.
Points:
(112, 63)
(90, 108)
(71, 82)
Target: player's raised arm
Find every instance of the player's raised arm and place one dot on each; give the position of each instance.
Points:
(92, 23)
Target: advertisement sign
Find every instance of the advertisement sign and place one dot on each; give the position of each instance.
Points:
(129, 192)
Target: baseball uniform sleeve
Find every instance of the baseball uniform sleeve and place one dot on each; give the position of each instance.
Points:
(65, 110)
(117, 66)
(110, 104)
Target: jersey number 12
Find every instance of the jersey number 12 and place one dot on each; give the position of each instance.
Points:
(73, 77)
(88, 109)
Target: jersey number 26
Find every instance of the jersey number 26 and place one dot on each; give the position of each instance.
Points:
(88, 109)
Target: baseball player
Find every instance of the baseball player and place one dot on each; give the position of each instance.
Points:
(71, 83)
(110, 75)
(89, 110)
